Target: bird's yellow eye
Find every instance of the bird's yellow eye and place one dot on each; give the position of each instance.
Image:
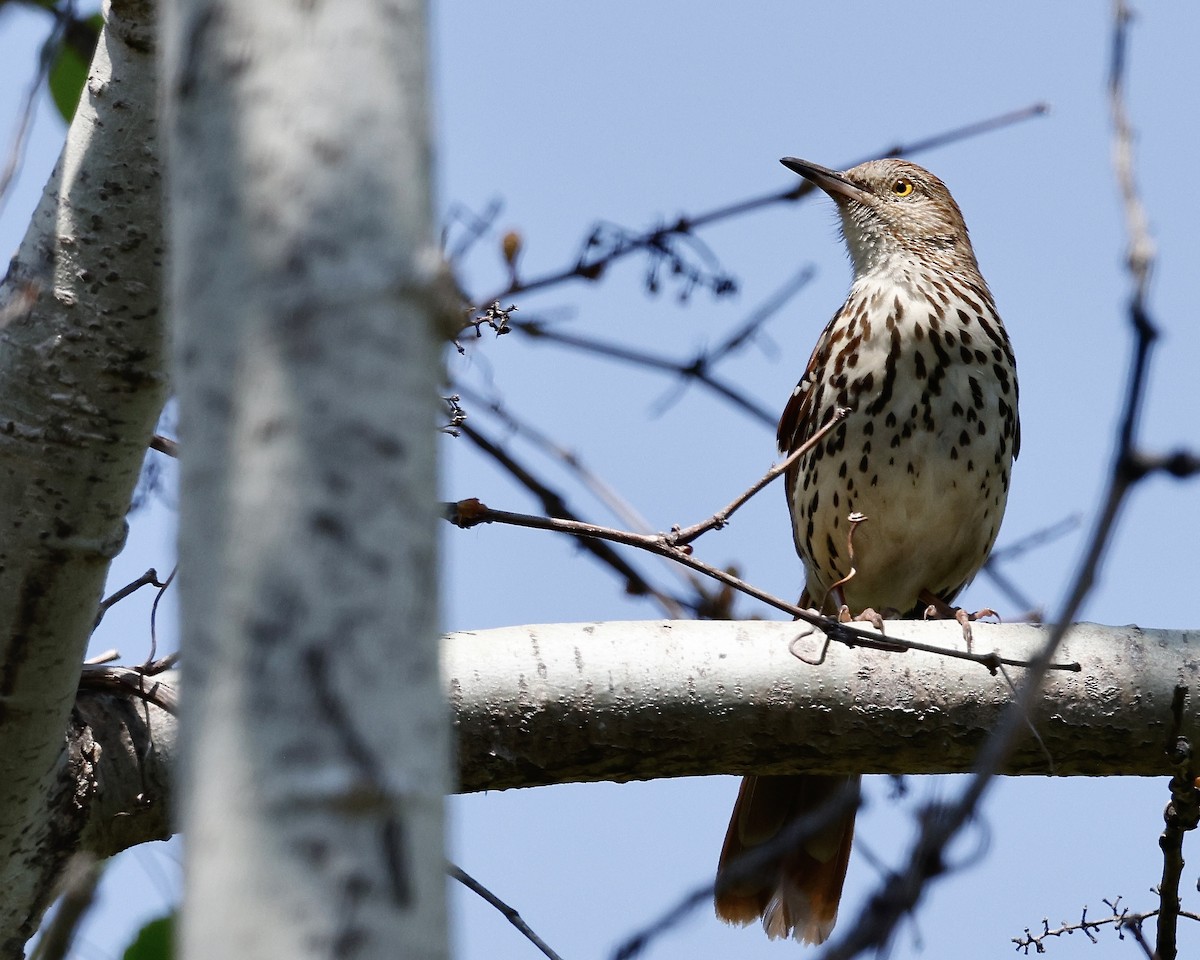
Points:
(902, 187)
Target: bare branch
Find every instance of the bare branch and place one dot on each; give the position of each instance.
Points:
(150, 657)
(635, 584)
(1182, 816)
(1120, 919)
(469, 513)
(80, 879)
(991, 569)
(645, 358)
(592, 267)
(1039, 538)
(16, 152)
(509, 913)
(596, 485)
(680, 537)
(165, 445)
(475, 227)
(147, 579)
(1140, 251)
(750, 327)
(751, 864)
(497, 318)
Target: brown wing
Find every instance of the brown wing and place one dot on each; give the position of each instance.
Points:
(801, 415)
(999, 336)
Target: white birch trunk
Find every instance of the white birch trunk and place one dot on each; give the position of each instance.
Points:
(81, 386)
(314, 735)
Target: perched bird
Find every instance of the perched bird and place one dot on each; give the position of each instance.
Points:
(920, 358)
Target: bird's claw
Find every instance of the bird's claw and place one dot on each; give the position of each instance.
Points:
(866, 616)
(940, 610)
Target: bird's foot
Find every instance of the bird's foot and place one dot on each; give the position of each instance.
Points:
(939, 609)
(866, 616)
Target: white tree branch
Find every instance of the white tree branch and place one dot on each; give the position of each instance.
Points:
(631, 701)
(81, 386)
(558, 703)
(121, 742)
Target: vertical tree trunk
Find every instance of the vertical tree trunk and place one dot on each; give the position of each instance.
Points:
(81, 386)
(315, 744)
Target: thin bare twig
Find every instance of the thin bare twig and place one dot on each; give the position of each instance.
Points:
(680, 537)
(16, 153)
(165, 445)
(590, 267)
(700, 367)
(471, 512)
(705, 603)
(646, 358)
(509, 913)
(751, 864)
(1121, 920)
(497, 318)
(1140, 252)
(1017, 597)
(1039, 538)
(749, 328)
(476, 227)
(79, 883)
(596, 485)
(147, 579)
(162, 589)
(1182, 816)
(154, 667)
(555, 506)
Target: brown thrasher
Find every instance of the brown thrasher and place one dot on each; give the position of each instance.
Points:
(919, 356)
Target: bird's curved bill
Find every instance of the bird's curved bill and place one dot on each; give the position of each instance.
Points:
(831, 181)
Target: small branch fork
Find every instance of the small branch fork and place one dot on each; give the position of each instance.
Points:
(676, 546)
(147, 579)
(132, 680)
(1120, 919)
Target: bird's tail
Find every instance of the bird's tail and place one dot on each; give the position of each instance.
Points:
(796, 893)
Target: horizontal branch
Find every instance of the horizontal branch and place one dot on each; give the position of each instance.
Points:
(557, 703)
(121, 749)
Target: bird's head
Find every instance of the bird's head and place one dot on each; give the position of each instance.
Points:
(893, 212)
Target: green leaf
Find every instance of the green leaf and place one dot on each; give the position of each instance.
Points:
(154, 940)
(68, 73)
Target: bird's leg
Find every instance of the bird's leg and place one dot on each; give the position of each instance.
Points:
(941, 610)
(835, 593)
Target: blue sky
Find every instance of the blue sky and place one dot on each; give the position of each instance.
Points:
(633, 114)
